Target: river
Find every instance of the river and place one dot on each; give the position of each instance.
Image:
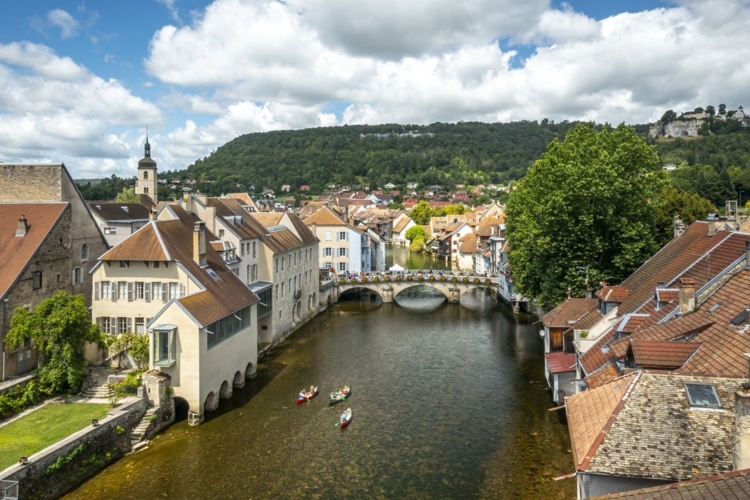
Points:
(448, 401)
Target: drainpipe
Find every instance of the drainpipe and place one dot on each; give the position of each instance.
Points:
(2, 339)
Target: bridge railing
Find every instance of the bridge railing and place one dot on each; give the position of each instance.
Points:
(424, 276)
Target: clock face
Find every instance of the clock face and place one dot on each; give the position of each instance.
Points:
(145, 183)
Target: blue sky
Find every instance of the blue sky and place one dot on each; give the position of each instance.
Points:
(82, 80)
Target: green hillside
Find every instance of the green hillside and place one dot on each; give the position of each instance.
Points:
(445, 154)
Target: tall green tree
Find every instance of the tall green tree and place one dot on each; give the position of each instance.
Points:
(127, 195)
(415, 232)
(60, 327)
(672, 202)
(584, 205)
(421, 213)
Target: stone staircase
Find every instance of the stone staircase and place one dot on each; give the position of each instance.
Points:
(140, 431)
(100, 391)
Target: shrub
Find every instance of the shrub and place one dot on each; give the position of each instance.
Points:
(410, 278)
(342, 281)
(454, 280)
(432, 278)
(420, 277)
(364, 279)
(376, 280)
(398, 278)
(488, 281)
(476, 281)
(443, 278)
(387, 279)
(465, 280)
(17, 400)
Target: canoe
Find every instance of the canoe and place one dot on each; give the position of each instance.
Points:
(340, 395)
(346, 417)
(308, 396)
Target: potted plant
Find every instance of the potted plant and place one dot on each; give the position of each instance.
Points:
(432, 278)
(443, 278)
(342, 281)
(465, 279)
(420, 277)
(454, 280)
(376, 279)
(410, 278)
(488, 281)
(398, 278)
(476, 281)
(387, 279)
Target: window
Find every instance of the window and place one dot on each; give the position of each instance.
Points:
(145, 175)
(328, 236)
(226, 327)
(165, 347)
(253, 249)
(282, 290)
(123, 325)
(702, 395)
(276, 265)
(139, 291)
(174, 290)
(255, 272)
(104, 325)
(124, 263)
(342, 236)
(156, 264)
(282, 263)
(106, 290)
(158, 291)
(36, 278)
(139, 326)
(110, 230)
(221, 233)
(342, 252)
(77, 276)
(342, 266)
(327, 252)
(145, 190)
(84, 252)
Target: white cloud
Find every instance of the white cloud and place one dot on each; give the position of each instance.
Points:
(61, 19)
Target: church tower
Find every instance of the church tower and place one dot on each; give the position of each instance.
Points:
(146, 182)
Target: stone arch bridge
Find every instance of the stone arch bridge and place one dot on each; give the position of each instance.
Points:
(389, 285)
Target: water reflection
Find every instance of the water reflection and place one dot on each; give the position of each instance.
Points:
(448, 402)
(410, 260)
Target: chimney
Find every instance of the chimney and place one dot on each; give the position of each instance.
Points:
(589, 292)
(199, 243)
(22, 227)
(741, 445)
(712, 223)
(687, 295)
(153, 213)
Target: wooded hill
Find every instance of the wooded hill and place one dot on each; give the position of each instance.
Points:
(446, 154)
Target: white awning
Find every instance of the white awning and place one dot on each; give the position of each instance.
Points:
(396, 268)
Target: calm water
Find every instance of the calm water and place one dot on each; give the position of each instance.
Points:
(448, 401)
(409, 260)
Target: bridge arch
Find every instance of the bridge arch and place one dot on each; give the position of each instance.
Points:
(411, 288)
(357, 290)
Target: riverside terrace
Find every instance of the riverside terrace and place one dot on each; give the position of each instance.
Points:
(388, 285)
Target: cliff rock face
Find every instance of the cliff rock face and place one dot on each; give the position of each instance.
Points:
(676, 128)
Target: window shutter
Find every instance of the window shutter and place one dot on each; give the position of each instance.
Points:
(147, 292)
(163, 292)
(99, 323)
(182, 290)
(130, 291)
(113, 326)
(96, 292)
(113, 290)
(130, 325)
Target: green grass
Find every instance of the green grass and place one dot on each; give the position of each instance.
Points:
(45, 426)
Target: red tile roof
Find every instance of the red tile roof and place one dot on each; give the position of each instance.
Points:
(569, 312)
(616, 293)
(663, 355)
(17, 251)
(560, 362)
(733, 485)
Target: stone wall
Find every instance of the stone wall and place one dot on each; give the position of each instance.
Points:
(62, 466)
(24, 183)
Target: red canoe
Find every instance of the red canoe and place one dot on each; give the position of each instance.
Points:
(346, 417)
(308, 396)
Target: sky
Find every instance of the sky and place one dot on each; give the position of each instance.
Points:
(82, 82)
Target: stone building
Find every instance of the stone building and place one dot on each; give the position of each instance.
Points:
(48, 243)
(146, 185)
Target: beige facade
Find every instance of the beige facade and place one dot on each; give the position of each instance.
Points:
(146, 184)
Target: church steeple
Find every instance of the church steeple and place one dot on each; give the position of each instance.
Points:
(146, 182)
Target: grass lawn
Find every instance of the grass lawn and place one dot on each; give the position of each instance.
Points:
(45, 426)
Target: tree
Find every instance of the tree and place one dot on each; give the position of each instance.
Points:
(584, 203)
(689, 206)
(668, 116)
(722, 109)
(483, 199)
(421, 213)
(127, 195)
(455, 209)
(417, 245)
(710, 110)
(415, 232)
(60, 327)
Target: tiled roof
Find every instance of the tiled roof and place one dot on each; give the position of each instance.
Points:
(268, 218)
(588, 320)
(560, 362)
(663, 355)
(733, 485)
(686, 256)
(324, 217)
(666, 294)
(486, 225)
(16, 251)
(616, 293)
(630, 323)
(119, 211)
(172, 240)
(656, 433)
(227, 208)
(603, 375)
(589, 411)
(303, 232)
(595, 357)
(401, 224)
(243, 197)
(569, 312)
(468, 243)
